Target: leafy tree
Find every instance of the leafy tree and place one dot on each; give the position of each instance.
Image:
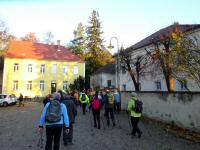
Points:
(30, 37)
(79, 84)
(96, 55)
(185, 57)
(79, 42)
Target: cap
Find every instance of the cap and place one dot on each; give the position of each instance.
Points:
(133, 94)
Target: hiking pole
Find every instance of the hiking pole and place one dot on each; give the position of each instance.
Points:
(129, 121)
(104, 128)
(118, 121)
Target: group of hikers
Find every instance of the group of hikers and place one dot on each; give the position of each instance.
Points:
(60, 110)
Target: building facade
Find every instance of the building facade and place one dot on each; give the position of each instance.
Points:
(153, 78)
(36, 69)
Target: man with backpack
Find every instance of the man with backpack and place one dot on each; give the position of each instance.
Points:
(54, 115)
(84, 99)
(135, 109)
(96, 106)
(109, 107)
(72, 112)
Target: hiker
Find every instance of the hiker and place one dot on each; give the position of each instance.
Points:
(96, 106)
(54, 115)
(47, 99)
(21, 100)
(109, 107)
(84, 101)
(117, 98)
(72, 112)
(135, 110)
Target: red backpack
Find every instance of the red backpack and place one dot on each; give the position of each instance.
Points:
(96, 104)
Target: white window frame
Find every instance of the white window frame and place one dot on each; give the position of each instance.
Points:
(16, 67)
(75, 70)
(15, 85)
(29, 85)
(54, 68)
(30, 68)
(42, 68)
(42, 84)
(65, 69)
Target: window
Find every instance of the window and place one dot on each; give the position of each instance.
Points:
(42, 85)
(29, 85)
(158, 85)
(75, 69)
(15, 85)
(65, 69)
(109, 83)
(124, 87)
(183, 85)
(30, 68)
(42, 68)
(65, 85)
(16, 67)
(54, 68)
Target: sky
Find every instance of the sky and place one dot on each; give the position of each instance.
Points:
(128, 20)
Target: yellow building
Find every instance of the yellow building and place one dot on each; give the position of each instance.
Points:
(36, 69)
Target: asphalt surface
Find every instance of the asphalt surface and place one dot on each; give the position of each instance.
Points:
(18, 131)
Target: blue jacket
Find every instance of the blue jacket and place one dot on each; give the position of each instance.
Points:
(117, 97)
(64, 118)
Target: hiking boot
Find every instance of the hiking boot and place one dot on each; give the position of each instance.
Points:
(114, 124)
(139, 135)
(65, 143)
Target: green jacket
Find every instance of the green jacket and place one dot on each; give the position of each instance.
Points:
(86, 99)
(131, 106)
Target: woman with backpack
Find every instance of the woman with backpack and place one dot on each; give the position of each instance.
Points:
(96, 106)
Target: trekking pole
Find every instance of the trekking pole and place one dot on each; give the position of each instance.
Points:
(90, 120)
(129, 121)
(118, 121)
(40, 141)
(104, 128)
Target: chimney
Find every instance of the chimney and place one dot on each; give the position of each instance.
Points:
(58, 44)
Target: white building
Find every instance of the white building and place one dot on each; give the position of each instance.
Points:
(104, 77)
(156, 81)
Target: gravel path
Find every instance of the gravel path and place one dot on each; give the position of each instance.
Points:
(18, 131)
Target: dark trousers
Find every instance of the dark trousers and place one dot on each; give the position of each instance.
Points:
(84, 107)
(68, 137)
(96, 116)
(117, 107)
(111, 112)
(53, 134)
(134, 122)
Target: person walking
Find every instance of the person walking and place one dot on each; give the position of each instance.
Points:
(84, 99)
(72, 112)
(21, 100)
(109, 107)
(54, 115)
(96, 106)
(135, 110)
(117, 98)
(46, 99)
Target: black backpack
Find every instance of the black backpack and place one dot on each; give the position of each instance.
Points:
(53, 112)
(138, 106)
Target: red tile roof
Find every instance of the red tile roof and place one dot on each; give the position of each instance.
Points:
(163, 34)
(27, 49)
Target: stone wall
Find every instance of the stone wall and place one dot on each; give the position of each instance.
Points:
(183, 109)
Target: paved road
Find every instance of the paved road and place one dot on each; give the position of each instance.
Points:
(18, 131)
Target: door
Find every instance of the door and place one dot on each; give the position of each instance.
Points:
(53, 87)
